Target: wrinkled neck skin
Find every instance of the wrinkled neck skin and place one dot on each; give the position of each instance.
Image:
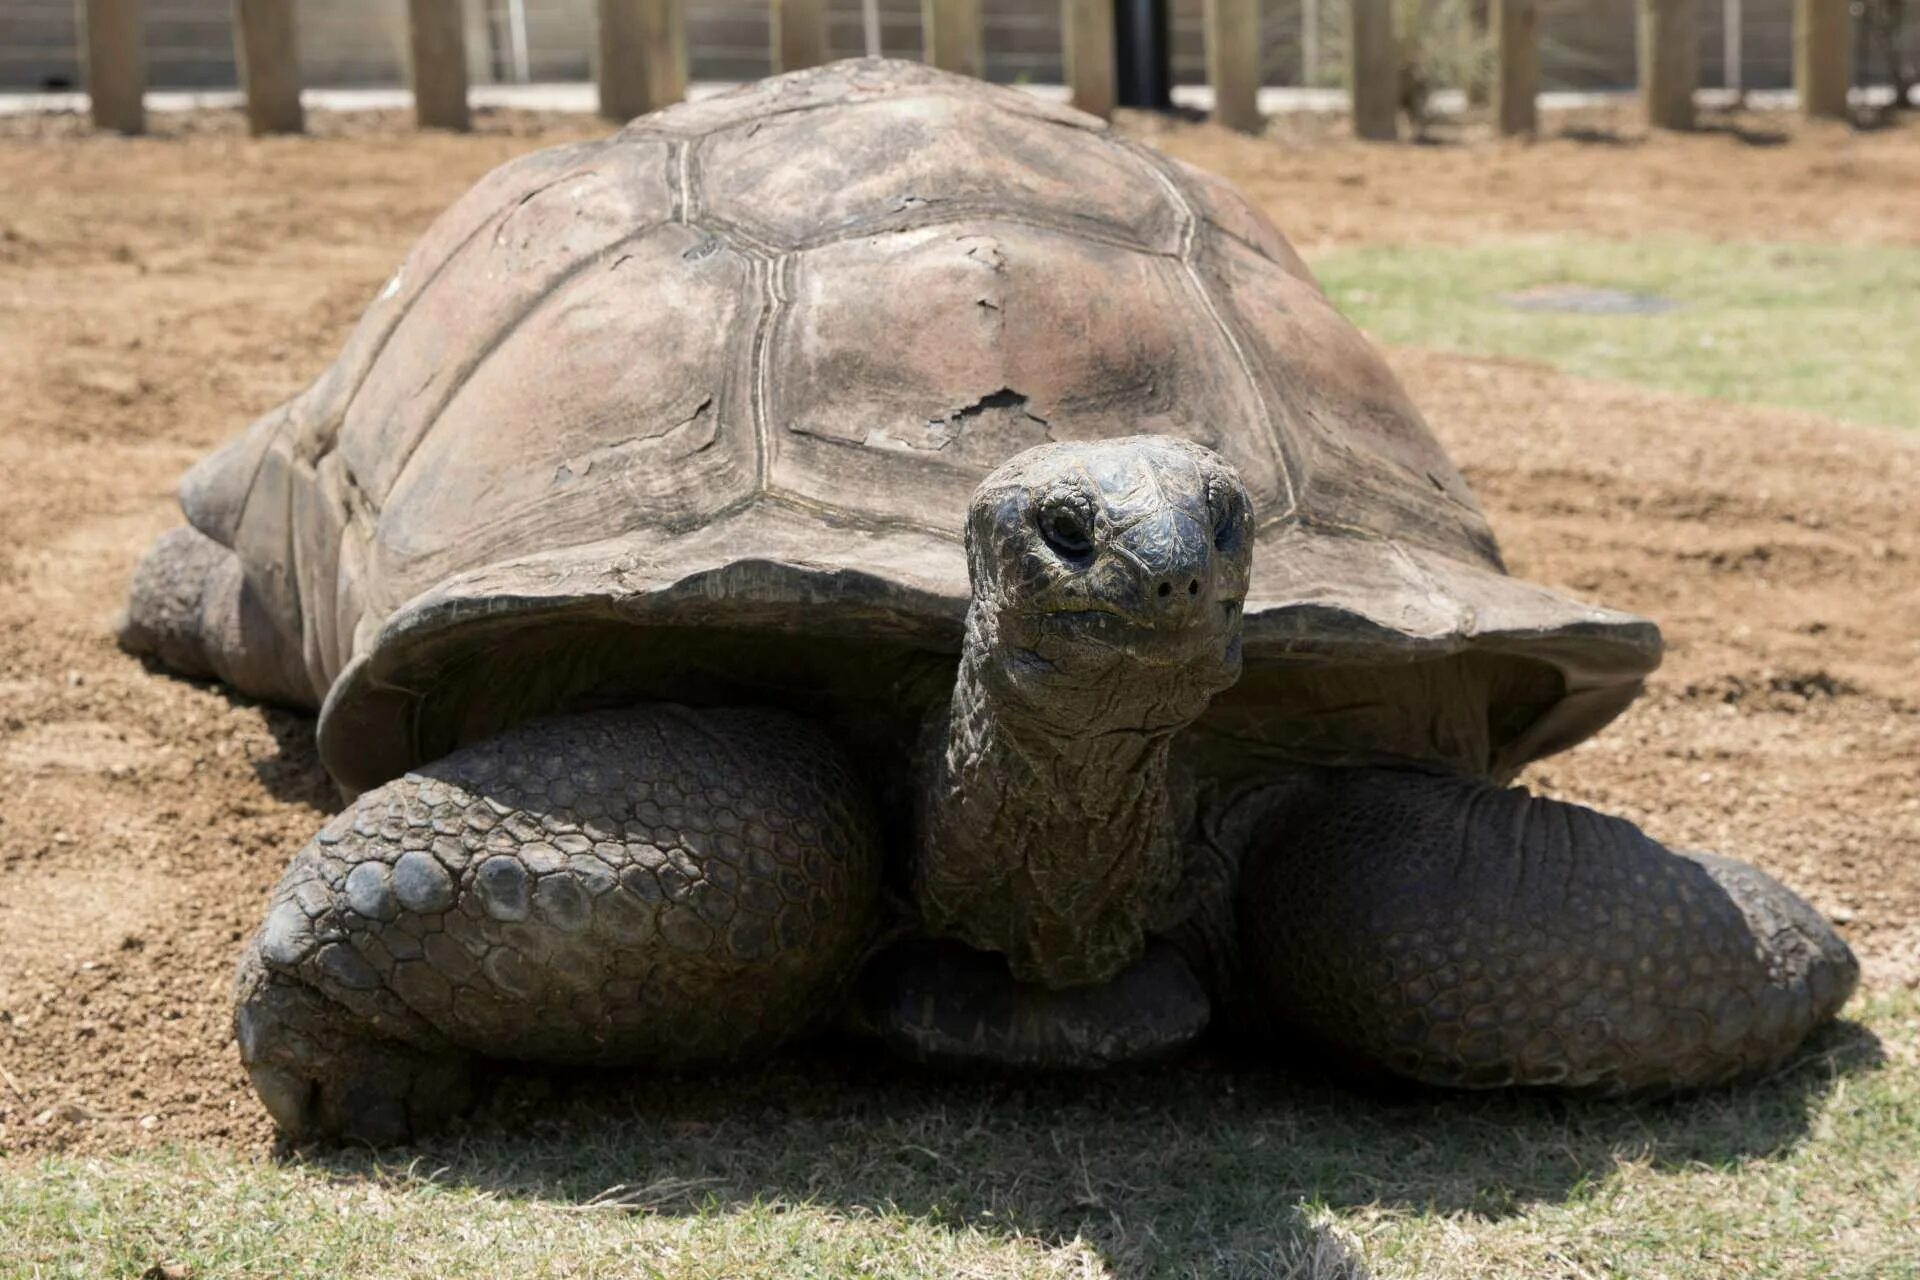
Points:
(1045, 830)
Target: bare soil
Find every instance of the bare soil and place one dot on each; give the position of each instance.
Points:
(155, 294)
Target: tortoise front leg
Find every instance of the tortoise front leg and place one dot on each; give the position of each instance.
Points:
(654, 887)
(1460, 934)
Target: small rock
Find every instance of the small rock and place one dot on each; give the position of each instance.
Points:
(168, 1270)
(149, 1123)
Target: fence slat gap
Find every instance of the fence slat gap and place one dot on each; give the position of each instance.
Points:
(266, 39)
(116, 65)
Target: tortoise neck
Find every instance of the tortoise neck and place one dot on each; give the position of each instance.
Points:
(1048, 845)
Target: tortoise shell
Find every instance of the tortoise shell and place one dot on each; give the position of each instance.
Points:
(731, 376)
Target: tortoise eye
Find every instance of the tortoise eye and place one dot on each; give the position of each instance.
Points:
(1229, 515)
(1066, 522)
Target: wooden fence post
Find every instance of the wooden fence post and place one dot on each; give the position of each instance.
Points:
(1373, 70)
(952, 35)
(1733, 72)
(437, 43)
(1309, 43)
(1669, 62)
(799, 34)
(265, 38)
(1516, 78)
(1233, 62)
(116, 65)
(1086, 29)
(1822, 64)
(643, 56)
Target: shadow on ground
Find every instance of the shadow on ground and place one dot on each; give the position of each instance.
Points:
(293, 773)
(1205, 1167)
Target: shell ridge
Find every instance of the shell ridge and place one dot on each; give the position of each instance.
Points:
(771, 279)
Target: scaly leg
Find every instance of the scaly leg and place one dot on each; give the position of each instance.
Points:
(653, 886)
(1459, 934)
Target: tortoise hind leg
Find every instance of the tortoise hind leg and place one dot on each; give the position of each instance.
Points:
(190, 609)
(1459, 934)
(652, 887)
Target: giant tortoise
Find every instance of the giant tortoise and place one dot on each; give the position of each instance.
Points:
(878, 551)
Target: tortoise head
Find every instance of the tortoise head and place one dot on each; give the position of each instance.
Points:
(1108, 579)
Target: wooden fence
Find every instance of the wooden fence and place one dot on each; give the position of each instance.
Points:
(641, 57)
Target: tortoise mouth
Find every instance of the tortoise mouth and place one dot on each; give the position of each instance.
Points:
(1083, 671)
(1097, 634)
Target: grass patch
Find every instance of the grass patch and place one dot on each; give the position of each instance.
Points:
(833, 1166)
(1831, 329)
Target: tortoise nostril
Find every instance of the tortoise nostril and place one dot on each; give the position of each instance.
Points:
(1166, 589)
(1193, 587)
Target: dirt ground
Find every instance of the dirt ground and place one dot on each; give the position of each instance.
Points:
(156, 294)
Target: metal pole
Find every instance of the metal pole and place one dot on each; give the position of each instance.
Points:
(870, 26)
(1143, 54)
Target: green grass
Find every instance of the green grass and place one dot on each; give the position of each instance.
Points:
(825, 1166)
(1831, 329)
